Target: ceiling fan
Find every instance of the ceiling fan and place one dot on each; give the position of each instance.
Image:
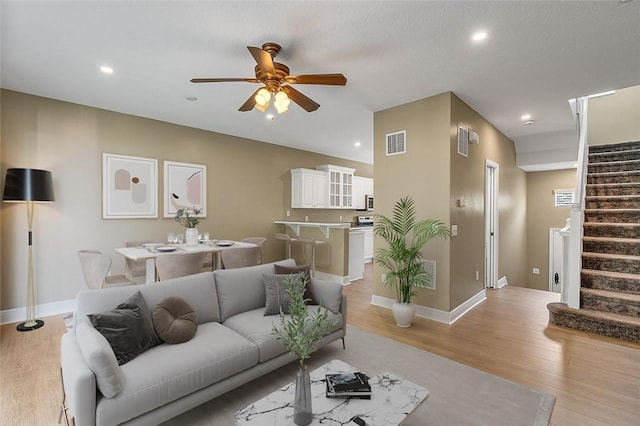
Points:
(276, 79)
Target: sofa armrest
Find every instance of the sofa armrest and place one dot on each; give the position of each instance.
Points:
(79, 382)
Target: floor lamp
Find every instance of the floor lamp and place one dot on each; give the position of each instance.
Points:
(29, 186)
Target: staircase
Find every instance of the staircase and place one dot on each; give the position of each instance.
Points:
(610, 277)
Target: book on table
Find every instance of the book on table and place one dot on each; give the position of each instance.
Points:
(348, 385)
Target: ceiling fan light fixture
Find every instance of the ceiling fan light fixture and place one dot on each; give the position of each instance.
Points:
(262, 98)
(281, 102)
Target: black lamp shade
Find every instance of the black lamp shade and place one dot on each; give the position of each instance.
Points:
(28, 185)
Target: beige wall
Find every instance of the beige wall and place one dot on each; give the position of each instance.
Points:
(543, 215)
(422, 173)
(436, 176)
(467, 182)
(248, 187)
(615, 118)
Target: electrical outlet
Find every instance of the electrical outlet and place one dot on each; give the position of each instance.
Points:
(306, 218)
(340, 218)
(288, 213)
(477, 275)
(536, 271)
(454, 230)
(384, 277)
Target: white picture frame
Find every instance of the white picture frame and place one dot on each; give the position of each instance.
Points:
(185, 186)
(129, 187)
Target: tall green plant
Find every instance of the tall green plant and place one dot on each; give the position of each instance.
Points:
(405, 238)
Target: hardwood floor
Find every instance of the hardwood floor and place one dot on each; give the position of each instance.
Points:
(595, 379)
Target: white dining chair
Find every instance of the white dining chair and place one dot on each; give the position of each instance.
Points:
(259, 241)
(96, 267)
(178, 265)
(241, 257)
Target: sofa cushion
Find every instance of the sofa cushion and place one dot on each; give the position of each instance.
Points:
(168, 372)
(277, 294)
(174, 320)
(101, 360)
(327, 294)
(241, 289)
(257, 328)
(302, 269)
(128, 328)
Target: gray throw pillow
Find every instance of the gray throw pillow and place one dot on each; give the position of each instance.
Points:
(101, 360)
(277, 298)
(302, 269)
(328, 294)
(174, 320)
(128, 328)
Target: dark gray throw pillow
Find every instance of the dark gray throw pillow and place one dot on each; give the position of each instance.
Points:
(128, 328)
(302, 269)
(277, 298)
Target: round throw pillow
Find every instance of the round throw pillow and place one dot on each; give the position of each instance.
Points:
(174, 320)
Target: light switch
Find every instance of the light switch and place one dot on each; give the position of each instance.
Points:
(454, 230)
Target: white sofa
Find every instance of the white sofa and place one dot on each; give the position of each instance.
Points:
(232, 346)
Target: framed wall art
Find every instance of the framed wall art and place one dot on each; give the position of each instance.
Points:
(185, 187)
(129, 187)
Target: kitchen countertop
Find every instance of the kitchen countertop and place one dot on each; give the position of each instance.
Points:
(324, 226)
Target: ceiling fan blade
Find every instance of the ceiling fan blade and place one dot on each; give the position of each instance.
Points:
(263, 59)
(250, 103)
(328, 79)
(306, 103)
(223, 80)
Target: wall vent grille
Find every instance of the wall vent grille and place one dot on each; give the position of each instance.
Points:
(397, 143)
(463, 141)
(429, 267)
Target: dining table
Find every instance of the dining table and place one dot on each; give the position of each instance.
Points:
(149, 252)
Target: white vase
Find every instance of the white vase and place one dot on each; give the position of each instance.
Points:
(403, 313)
(191, 235)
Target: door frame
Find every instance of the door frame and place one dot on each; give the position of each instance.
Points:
(491, 222)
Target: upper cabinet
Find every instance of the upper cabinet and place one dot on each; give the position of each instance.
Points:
(361, 186)
(308, 189)
(329, 187)
(340, 186)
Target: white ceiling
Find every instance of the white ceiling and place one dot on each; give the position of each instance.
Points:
(537, 56)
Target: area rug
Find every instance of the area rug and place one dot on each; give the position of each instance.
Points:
(459, 395)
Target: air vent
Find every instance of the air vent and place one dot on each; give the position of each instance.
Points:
(396, 143)
(429, 267)
(463, 141)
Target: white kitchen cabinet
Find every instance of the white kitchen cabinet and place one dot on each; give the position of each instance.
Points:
(308, 189)
(340, 186)
(368, 244)
(361, 186)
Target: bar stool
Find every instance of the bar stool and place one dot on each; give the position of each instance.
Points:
(313, 243)
(288, 240)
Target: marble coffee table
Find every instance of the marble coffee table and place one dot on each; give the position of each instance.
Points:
(392, 400)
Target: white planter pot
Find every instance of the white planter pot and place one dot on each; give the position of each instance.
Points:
(191, 235)
(403, 313)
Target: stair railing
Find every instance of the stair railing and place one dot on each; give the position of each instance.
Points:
(572, 233)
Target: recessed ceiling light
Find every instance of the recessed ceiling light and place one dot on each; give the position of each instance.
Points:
(107, 70)
(479, 36)
(191, 98)
(357, 144)
(525, 117)
(528, 122)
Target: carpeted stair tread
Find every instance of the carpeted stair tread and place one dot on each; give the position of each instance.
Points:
(614, 226)
(630, 246)
(614, 240)
(609, 294)
(604, 323)
(596, 156)
(613, 197)
(610, 280)
(611, 256)
(614, 147)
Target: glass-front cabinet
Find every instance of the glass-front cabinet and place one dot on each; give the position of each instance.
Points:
(340, 185)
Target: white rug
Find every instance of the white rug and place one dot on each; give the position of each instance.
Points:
(459, 395)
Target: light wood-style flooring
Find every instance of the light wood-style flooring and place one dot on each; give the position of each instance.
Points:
(596, 380)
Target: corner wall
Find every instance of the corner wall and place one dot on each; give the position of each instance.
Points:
(615, 118)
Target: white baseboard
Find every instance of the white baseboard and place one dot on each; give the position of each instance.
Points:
(44, 310)
(331, 277)
(502, 282)
(436, 314)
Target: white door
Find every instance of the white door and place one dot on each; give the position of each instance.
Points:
(491, 191)
(555, 260)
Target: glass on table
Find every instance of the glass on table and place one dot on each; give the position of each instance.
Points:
(171, 238)
(180, 239)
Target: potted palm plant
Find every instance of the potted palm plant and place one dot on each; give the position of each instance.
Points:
(402, 258)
